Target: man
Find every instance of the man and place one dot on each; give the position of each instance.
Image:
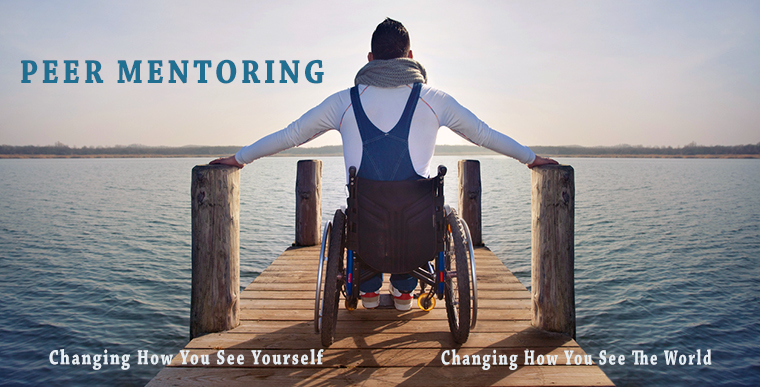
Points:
(388, 123)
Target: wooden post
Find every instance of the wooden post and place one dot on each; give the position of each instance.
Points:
(469, 198)
(215, 197)
(552, 259)
(308, 202)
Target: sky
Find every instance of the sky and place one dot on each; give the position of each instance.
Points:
(592, 73)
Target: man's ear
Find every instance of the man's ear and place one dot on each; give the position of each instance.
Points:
(370, 57)
(410, 55)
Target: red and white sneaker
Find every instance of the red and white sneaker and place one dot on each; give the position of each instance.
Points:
(370, 300)
(401, 300)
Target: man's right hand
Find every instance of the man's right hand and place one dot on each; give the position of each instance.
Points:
(542, 161)
(227, 161)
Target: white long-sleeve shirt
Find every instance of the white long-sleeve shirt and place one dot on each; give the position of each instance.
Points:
(384, 107)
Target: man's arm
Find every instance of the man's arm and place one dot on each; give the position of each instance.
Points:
(312, 124)
(464, 123)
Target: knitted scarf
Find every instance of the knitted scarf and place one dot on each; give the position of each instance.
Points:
(391, 73)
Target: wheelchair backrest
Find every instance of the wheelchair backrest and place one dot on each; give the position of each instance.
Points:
(395, 226)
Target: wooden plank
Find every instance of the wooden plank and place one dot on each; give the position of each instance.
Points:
(311, 264)
(377, 326)
(308, 304)
(309, 276)
(369, 357)
(310, 286)
(311, 253)
(312, 261)
(380, 314)
(383, 346)
(529, 338)
(285, 295)
(304, 267)
(481, 257)
(416, 374)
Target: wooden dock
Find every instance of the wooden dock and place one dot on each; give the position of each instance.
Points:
(378, 347)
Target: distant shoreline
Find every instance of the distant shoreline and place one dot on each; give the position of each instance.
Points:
(749, 151)
(317, 155)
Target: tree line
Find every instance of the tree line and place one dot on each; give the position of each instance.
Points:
(62, 150)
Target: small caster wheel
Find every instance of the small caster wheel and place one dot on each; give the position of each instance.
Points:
(426, 302)
(351, 303)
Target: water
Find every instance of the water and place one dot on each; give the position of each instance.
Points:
(95, 256)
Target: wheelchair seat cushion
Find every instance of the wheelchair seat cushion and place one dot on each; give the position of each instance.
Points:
(393, 225)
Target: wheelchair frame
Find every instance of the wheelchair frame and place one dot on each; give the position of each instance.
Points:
(456, 284)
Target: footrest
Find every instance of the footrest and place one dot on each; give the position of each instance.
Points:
(386, 302)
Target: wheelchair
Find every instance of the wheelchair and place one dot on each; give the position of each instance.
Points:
(397, 227)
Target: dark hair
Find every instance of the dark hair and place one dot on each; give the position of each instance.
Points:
(390, 40)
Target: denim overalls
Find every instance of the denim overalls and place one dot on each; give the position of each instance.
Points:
(385, 156)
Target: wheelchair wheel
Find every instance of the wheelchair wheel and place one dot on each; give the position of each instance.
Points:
(457, 288)
(333, 284)
(320, 276)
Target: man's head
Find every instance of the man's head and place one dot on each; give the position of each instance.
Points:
(389, 41)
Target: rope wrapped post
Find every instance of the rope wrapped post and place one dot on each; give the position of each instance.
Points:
(469, 198)
(552, 248)
(215, 197)
(308, 202)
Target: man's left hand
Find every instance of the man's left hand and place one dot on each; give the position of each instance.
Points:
(542, 161)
